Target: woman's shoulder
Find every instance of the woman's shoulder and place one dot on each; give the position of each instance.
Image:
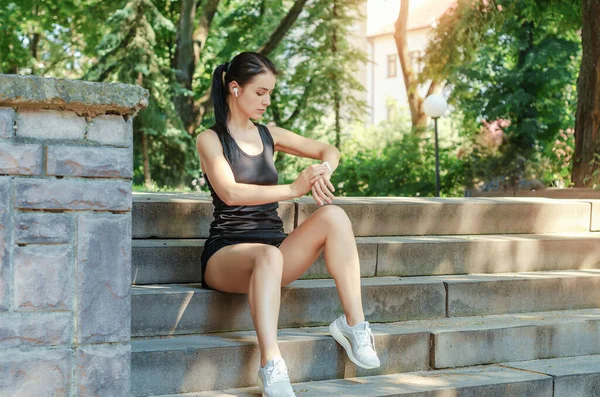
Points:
(208, 139)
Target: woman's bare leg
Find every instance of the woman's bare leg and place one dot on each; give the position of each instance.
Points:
(328, 229)
(254, 269)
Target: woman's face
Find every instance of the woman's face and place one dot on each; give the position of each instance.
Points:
(254, 98)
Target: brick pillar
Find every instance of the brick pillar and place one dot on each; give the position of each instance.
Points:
(65, 236)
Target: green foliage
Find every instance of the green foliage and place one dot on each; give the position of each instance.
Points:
(389, 160)
(134, 41)
(515, 61)
(50, 38)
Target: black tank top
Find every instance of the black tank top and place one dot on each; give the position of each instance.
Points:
(255, 170)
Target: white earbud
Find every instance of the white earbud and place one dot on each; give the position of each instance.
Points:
(235, 91)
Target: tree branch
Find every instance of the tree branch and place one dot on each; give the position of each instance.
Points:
(201, 32)
(284, 26)
(301, 104)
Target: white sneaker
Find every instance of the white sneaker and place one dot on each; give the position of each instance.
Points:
(273, 379)
(358, 341)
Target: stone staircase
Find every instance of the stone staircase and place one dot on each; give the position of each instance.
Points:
(466, 297)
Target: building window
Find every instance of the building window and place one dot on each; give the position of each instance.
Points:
(416, 61)
(391, 68)
(391, 111)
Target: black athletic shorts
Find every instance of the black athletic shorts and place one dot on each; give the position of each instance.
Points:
(216, 242)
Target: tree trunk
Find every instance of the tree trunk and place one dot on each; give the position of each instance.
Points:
(415, 102)
(35, 40)
(147, 177)
(586, 159)
(337, 97)
(190, 42)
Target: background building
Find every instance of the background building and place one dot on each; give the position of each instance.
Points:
(384, 83)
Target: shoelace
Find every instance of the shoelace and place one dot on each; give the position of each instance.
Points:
(366, 338)
(277, 373)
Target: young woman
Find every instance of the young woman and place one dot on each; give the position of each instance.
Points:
(247, 251)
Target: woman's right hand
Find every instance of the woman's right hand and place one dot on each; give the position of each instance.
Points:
(303, 184)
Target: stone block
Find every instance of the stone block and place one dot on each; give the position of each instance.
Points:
(472, 295)
(436, 255)
(546, 335)
(110, 129)
(484, 381)
(7, 122)
(177, 215)
(104, 278)
(42, 227)
(171, 215)
(103, 370)
(72, 194)
(166, 261)
(5, 241)
(42, 278)
(157, 310)
(17, 159)
(63, 94)
(157, 261)
(196, 363)
(35, 373)
(19, 330)
(89, 162)
(402, 216)
(573, 376)
(50, 124)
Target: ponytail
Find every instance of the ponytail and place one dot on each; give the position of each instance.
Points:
(242, 69)
(219, 93)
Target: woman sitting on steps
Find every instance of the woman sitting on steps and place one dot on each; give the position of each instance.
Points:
(247, 251)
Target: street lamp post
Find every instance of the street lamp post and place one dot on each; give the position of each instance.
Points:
(434, 106)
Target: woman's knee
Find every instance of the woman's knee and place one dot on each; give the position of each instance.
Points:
(334, 216)
(268, 256)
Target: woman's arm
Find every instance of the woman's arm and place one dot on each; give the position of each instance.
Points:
(297, 145)
(219, 172)
(288, 142)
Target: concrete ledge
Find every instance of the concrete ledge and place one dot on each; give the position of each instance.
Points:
(83, 97)
(465, 382)
(514, 337)
(551, 192)
(172, 309)
(400, 216)
(183, 215)
(379, 216)
(167, 261)
(471, 295)
(437, 255)
(187, 364)
(573, 376)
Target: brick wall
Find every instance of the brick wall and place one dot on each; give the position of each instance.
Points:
(65, 236)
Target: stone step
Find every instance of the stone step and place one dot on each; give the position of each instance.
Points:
(195, 363)
(572, 376)
(179, 215)
(164, 261)
(557, 377)
(188, 309)
(473, 381)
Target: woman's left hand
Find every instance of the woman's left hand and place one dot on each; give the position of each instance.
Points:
(322, 190)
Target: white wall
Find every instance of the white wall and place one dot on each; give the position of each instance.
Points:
(380, 87)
